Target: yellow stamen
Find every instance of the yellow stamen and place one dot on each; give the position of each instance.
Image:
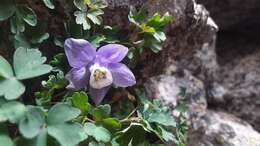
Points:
(98, 74)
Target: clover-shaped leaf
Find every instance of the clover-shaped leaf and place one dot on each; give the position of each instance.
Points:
(81, 18)
(65, 132)
(5, 68)
(94, 16)
(11, 88)
(28, 63)
(32, 124)
(41, 140)
(61, 113)
(80, 101)
(101, 112)
(101, 134)
(13, 111)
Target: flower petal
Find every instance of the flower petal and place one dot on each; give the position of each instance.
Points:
(98, 95)
(79, 52)
(122, 76)
(78, 78)
(112, 53)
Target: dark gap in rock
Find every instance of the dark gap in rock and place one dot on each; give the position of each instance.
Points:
(237, 43)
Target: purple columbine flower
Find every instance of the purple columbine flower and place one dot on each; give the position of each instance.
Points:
(97, 70)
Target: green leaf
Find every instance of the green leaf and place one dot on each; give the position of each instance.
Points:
(101, 112)
(81, 18)
(75, 30)
(156, 47)
(6, 140)
(97, 39)
(6, 70)
(80, 5)
(36, 35)
(95, 19)
(17, 24)
(40, 37)
(27, 14)
(20, 40)
(96, 4)
(67, 134)
(49, 4)
(165, 119)
(159, 36)
(111, 123)
(7, 9)
(146, 28)
(157, 21)
(11, 88)
(96, 144)
(167, 136)
(49, 87)
(55, 82)
(80, 101)
(13, 111)
(40, 140)
(155, 112)
(134, 134)
(32, 123)
(61, 113)
(137, 17)
(58, 41)
(28, 63)
(94, 16)
(99, 133)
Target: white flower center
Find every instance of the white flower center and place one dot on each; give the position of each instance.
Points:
(100, 77)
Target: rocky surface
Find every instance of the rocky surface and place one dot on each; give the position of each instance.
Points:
(191, 36)
(171, 89)
(221, 129)
(237, 86)
(227, 67)
(207, 127)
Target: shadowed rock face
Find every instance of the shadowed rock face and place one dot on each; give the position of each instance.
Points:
(232, 14)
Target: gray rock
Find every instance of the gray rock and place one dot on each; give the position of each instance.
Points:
(191, 43)
(168, 88)
(221, 129)
(190, 37)
(236, 88)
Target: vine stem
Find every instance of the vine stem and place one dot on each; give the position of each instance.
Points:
(87, 119)
(128, 117)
